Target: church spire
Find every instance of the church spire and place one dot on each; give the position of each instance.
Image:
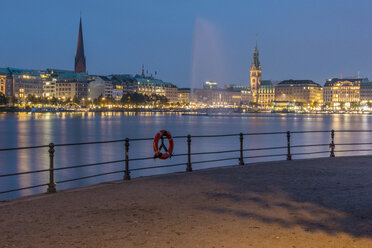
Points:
(256, 61)
(80, 65)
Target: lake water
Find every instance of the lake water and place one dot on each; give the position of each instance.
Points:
(26, 129)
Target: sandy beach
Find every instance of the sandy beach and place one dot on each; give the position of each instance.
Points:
(301, 203)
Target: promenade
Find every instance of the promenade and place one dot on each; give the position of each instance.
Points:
(323, 202)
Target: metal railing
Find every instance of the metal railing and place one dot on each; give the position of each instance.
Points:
(288, 155)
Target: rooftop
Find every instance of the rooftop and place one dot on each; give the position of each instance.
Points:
(298, 83)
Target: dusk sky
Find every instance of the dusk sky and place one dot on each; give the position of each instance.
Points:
(188, 42)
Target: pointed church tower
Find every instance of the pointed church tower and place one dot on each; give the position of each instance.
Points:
(255, 74)
(80, 65)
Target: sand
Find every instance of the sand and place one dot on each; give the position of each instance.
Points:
(301, 203)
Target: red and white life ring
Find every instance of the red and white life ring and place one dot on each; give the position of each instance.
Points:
(168, 151)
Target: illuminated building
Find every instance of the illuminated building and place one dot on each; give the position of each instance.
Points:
(150, 86)
(245, 92)
(341, 90)
(365, 91)
(49, 87)
(217, 97)
(100, 86)
(210, 85)
(299, 91)
(2, 84)
(266, 93)
(184, 95)
(21, 82)
(255, 75)
(80, 65)
(72, 85)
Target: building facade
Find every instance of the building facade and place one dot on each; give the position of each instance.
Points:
(366, 91)
(217, 97)
(184, 95)
(3, 84)
(22, 82)
(151, 86)
(100, 86)
(255, 76)
(266, 93)
(72, 85)
(341, 91)
(299, 91)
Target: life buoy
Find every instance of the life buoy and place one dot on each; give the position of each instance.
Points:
(168, 151)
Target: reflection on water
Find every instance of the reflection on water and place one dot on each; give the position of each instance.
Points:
(24, 129)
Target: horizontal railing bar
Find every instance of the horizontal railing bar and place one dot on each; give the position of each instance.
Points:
(23, 148)
(352, 144)
(87, 165)
(265, 148)
(90, 143)
(96, 175)
(24, 172)
(264, 156)
(310, 145)
(353, 131)
(29, 187)
(311, 131)
(214, 160)
(136, 159)
(248, 134)
(306, 153)
(156, 167)
(226, 151)
(215, 136)
(359, 150)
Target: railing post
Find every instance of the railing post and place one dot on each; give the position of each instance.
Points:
(289, 156)
(52, 184)
(126, 171)
(332, 145)
(241, 160)
(189, 167)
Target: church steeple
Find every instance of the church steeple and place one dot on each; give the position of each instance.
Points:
(255, 73)
(256, 61)
(80, 65)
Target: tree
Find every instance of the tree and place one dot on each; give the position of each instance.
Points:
(3, 99)
(354, 105)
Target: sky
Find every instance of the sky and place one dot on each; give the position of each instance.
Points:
(188, 42)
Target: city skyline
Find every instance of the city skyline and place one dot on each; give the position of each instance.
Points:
(226, 61)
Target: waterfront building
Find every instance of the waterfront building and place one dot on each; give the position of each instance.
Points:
(21, 82)
(299, 92)
(184, 95)
(266, 93)
(151, 86)
(122, 84)
(72, 85)
(80, 63)
(3, 84)
(100, 86)
(365, 91)
(218, 97)
(336, 91)
(49, 87)
(255, 75)
(245, 92)
(210, 85)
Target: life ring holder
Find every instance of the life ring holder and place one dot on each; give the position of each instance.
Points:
(158, 149)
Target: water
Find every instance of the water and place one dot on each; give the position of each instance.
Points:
(24, 129)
